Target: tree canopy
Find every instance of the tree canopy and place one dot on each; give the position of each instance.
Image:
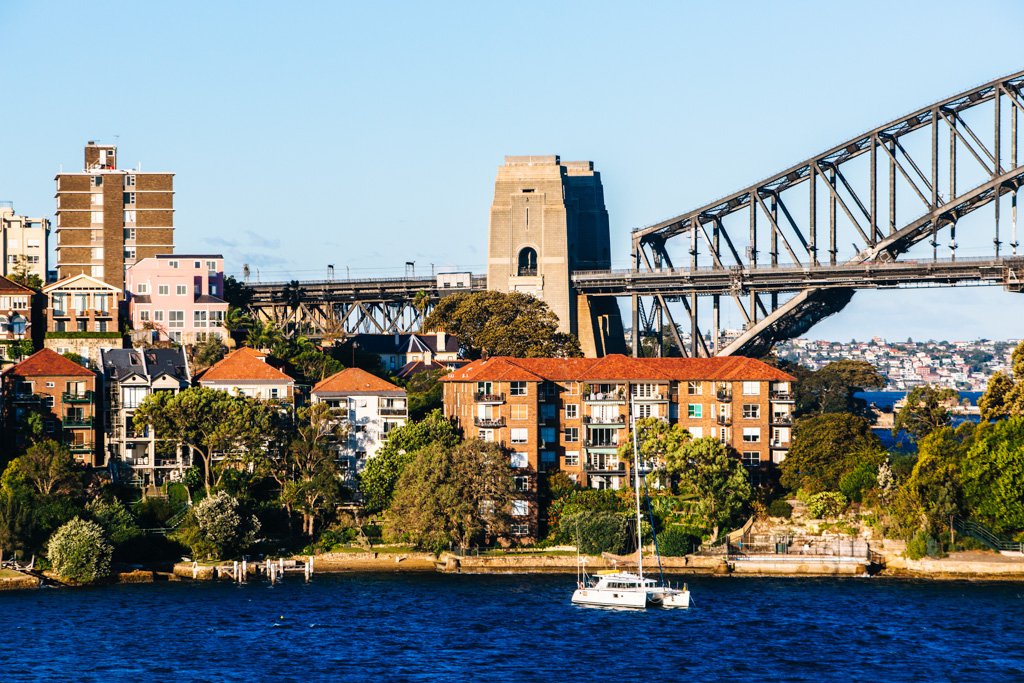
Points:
(720, 481)
(1004, 395)
(827, 447)
(831, 389)
(502, 324)
(926, 409)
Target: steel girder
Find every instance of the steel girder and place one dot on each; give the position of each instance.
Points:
(977, 164)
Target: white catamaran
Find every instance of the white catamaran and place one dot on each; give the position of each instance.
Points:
(626, 589)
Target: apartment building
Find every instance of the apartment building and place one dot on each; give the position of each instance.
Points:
(20, 315)
(246, 372)
(130, 375)
(573, 414)
(370, 406)
(177, 298)
(23, 242)
(82, 317)
(64, 393)
(109, 218)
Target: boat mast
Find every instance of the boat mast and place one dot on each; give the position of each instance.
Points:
(636, 486)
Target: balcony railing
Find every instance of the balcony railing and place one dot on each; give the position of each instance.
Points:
(609, 420)
(782, 418)
(26, 398)
(778, 443)
(781, 396)
(72, 422)
(724, 395)
(657, 397)
(393, 412)
(485, 397)
(724, 420)
(81, 447)
(598, 466)
(609, 397)
(590, 443)
(489, 422)
(75, 397)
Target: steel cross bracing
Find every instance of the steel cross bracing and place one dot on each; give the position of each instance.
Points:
(337, 308)
(790, 250)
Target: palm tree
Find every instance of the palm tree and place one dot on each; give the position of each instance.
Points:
(235, 322)
(264, 335)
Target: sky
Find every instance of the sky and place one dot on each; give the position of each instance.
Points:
(365, 135)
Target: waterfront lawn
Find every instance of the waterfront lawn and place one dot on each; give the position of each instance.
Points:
(374, 549)
(10, 574)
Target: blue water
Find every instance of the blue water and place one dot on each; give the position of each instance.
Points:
(513, 628)
(886, 399)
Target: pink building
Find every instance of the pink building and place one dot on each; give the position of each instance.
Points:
(177, 297)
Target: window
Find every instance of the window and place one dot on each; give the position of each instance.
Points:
(129, 234)
(751, 411)
(197, 264)
(751, 435)
(485, 434)
(696, 432)
(572, 434)
(129, 253)
(547, 435)
(129, 197)
(751, 388)
(142, 288)
(129, 181)
(644, 410)
(527, 259)
(645, 390)
(211, 266)
(131, 397)
(519, 460)
(97, 180)
(520, 412)
(158, 316)
(83, 325)
(176, 319)
(181, 290)
(517, 389)
(172, 264)
(572, 458)
(199, 318)
(522, 484)
(101, 325)
(519, 529)
(96, 216)
(694, 411)
(751, 458)
(520, 508)
(694, 388)
(216, 318)
(723, 435)
(144, 316)
(572, 411)
(163, 290)
(519, 435)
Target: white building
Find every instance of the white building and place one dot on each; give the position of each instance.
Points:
(245, 372)
(371, 407)
(23, 241)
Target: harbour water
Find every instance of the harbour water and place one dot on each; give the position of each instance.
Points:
(383, 627)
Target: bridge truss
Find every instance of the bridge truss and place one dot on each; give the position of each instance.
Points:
(782, 250)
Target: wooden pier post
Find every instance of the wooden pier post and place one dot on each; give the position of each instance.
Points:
(245, 572)
(308, 569)
(195, 571)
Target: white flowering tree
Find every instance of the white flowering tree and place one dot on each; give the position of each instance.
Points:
(80, 552)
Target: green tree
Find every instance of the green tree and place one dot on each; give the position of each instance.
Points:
(993, 475)
(237, 322)
(457, 496)
(998, 398)
(217, 527)
(264, 335)
(934, 490)
(927, 408)
(308, 474)
(502, 324)
(50, 469)
(236, 293)
(80, 552)
(827, 447)
(662, 445)
(209, 352)
(377, 481)
(23, 275)
(312, 363)
(211, 423)
(831, 389)
(117, 521)
(425, 393)
(720, 482)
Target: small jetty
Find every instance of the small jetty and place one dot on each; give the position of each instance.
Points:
(240, 571)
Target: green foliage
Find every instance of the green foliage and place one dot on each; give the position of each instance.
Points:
(831, 389)
(922, 545)
(502, 324)
(308, 474)
(458, 496)
(23, 275)
(927, 408)
(827, 447)
(425, 393)
(377, 481)
(218, 528)
(79, 552)
(237, 293)
(209, 352)
(780, 508)
(310, 362)
(675, 542)
(863, 478)
(992, 474)
(117, 522)
(599, 532)
(330, 539)
(18, 348)
(826, 504)
(719, 481)
(584, 501)
(1004, 395)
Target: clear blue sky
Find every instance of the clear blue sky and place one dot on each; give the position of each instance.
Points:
(367, 134)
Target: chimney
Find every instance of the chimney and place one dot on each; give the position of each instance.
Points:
(441, 339)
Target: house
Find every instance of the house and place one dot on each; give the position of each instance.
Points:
(21, 318)
(177, 298)
(246, 372)
(130, 375)
(397, 351)
(82, 317)
(64, 393)
(572, 414)
(370, 406)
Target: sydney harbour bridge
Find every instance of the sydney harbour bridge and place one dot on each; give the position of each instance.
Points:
(929, 199)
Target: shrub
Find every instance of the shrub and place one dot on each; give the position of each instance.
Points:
(854, 484)
(780, 508)
(921, 545)
(676, 542)
(826, 504)
(79, 552)
(597, 532)
(217, 528)
(118, 523)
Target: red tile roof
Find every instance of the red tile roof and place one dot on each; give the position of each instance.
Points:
(617, 367)
(243, 364)
(354, 381)
(9, 286)
(49, 363)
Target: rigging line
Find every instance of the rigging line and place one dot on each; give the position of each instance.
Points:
(654, 533)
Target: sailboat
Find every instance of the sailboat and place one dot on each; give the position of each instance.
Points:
(626, 589)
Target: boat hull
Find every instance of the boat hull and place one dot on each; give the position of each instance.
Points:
(676, 600)
(608, 597)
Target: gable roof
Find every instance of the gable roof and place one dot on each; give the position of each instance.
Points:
(86, 280)
(243, 364)
(48, 362)
(616, 367)
(355, 381)
(9, 286)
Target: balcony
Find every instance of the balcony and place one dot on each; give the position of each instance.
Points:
(75, 397)
(778, 443)
(605, 420)
(609, 397)
(782, 418)
(724, 395)
(652, 398)
(724, 420)
(601, 445)
(781, 396)
(81, 447)
(605, 466)
(392, 412)
(489, 422)
(484, 397)
(27, 398)
(73, 422)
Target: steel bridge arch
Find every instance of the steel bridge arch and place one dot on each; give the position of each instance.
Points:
(931, 174)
